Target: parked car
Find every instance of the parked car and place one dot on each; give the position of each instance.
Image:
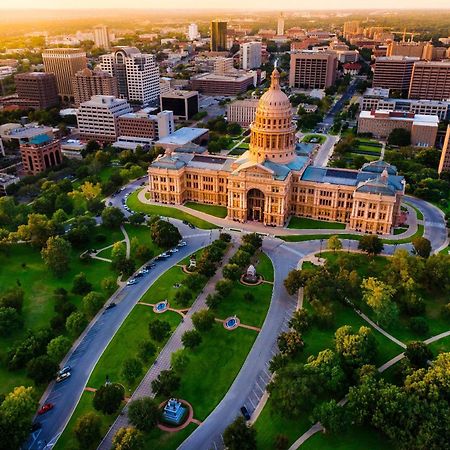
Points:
(45, 408)
(143, 271)
(185, 222)
(245, 413)
(191, 225)
(150, 266)
(64, 370)
(173, 250)
(182, 244)
(111, 305)
(131, 282)
(63, 377)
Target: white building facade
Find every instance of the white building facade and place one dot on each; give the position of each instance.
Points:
(251, 55)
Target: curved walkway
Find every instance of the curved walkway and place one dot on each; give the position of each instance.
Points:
(127, 240)
(318, 427)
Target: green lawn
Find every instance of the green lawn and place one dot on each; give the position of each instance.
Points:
(161, 440)
(400, 230)
(23, 266)
(67, 441)
(441, 346)
(213, 210)
(142, 233)
(370, 148)
(238, 151)
(308, 137)
(167, 211)
(306, 223)
(265, 267)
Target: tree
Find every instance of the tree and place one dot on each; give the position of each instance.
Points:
(300, 320)
(331, 416)
(12, 298)
(356, 349)
(10, 320)
(87, 430)
(58, 347)
(164, 234)
(128, 439)
(224, 287)
(281, 442)
(239, 436)
(179, 360)
(131, 369)
(37, 230)
(334, 243)
(166, 384)
(159, 329)
(107, 398)
(232, 272)
(136, 218)
(144, 413)
(422, 246)
(399, 137)
(42, 369)
(327, 370)
(146, 351)
(290, 343)
(418, 354)
(108, 285)
(203, 320)
(92, 302)
(90, 190)
(143, 252)
(16, 413)
(378, 295)
(254, 239)
(371, 244)
(112, 217)
(183, 296)
(191, 339)
(295, 280)
(80, 284)
(76, 323)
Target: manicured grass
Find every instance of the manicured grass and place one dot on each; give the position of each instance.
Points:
(307, 138)
(167, 211)
(238, 151)
(265, 267)
(370, 148)
(306, 223)
(22, 265)
(125, 344)
(356, 438)
(67, 441)
(213, 366)
(441, 346)
(417, 210)
(161, 440)
(366, 156)
(142, 233)
(400, 230)
(213, 210)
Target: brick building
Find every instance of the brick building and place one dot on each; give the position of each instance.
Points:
(312, 70)
(430, 80)
(444, 163)
(393, 72)
(39, 154)
(37, 90)
(87, 83)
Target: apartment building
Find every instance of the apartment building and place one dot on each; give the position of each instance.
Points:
(250, 55)
(430, 80)
(393, 72)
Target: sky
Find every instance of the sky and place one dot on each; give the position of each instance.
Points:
(217, 4)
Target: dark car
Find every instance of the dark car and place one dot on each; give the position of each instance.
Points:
(36, 426)
(245, 413)
(185, 222)
(191, 225)
(111, 305)
(150, 266)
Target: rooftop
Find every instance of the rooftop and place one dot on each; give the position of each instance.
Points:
(183, 136)
(179, 93)
(228, 77)
(417, 119)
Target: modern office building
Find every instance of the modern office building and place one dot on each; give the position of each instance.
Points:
(393, 72)
(39, 154)
(64, 63)
(97, 118)
(193, 33)
(37, 90)
(101, 37)
(430, 80)
(378, 98)
(421, 50)
(137, 74)
(250, 54)
(87, 83)
(218, 36)
(232, 84)
(380, 123)
(145, 125)
(271, 182)
(312, 70)
(444, 162)
(242, 111)
(183, 104)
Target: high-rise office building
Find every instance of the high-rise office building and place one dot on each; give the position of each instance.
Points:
(218, 36)
(101, 37)
(183, 104)
(97, 118)
(430, 80)
(37, 89)
(64, 63)
(393, 72)
(280, 25)
(193, 33)
(137, 74)
(444, 163)
(312, 70)
(87, 83)
(141, 124)
(251, 55)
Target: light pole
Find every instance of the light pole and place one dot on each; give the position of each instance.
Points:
(320, 253)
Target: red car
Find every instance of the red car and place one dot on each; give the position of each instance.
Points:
(45, 408)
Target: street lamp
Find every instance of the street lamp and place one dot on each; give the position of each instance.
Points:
(320, 253)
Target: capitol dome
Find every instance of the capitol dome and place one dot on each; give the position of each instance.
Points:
(272, 132)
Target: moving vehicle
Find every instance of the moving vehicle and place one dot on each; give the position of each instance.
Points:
(63, 377)
(45, 408)
(64, 370)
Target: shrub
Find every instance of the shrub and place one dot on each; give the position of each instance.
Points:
(191, 339)
(203, 320)
(144, 413)
(108, 398)
(159, 329)
(146, 350)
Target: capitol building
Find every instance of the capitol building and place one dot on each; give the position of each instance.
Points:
(273, 181)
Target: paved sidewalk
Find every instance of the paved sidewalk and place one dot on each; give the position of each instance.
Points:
(127, 240)
(173, 344)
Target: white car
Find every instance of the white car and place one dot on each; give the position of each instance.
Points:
(173, 250)
(182, 244)
(63, 377)
(131, 282)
